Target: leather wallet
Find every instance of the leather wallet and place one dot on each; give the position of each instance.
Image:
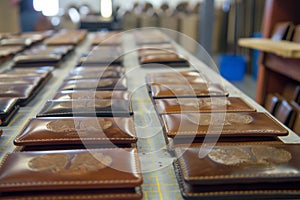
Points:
(102, 55)
(21, 80)
(86, 107)
(107, 38)
(8, 107)
(102, 171)
(190, 105)
(176, 80)
(87, 94)
(23, 92)
(95, 84)
(66, 37)
(94, 75)
(63, 131)
(43, 72)
(97, 68)
(159, 60)
(192, 90)
(239, 172)
(232, 126)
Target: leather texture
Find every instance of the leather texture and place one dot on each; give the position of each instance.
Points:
(66, 37)
(86, 107)
(79, 130)
(231, 125)
(249, 171)
(87, 94)
(190, 105)
(102, 169)
(96, 84)
(192, 90)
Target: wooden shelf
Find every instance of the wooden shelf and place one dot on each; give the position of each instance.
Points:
(285, 49)
(279, 61)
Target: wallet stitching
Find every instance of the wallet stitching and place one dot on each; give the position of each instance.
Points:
(185, 173)
(137, 169)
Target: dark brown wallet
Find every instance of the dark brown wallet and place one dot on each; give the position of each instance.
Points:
(159, 60)
(239, 172)
(86, 108)
(87, 94)
(233, 126)
(96, 84)
(190, 105)
(8, 107)
(98, 171)
(191, 90)
(23, 92)
(68, 131)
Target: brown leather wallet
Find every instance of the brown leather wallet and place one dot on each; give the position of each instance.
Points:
(96, 84)
(94, 75)
(86, 107)
(71, 170)
(8, 107)
(169, 59)
(21, 80)
(54, 131)
(228, 125)
(66, 37)
(97, 68)
(87, 94)
(191, 90)
(22, 92)
(239, 172)
(190, 105)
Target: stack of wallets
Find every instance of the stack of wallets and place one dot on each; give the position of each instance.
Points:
(257, 171)
(107, 38)
(8, 108)
(66, 37)
(71, 174)
(8, 52)
(100, 55)
(160, 55)
(42, 55)
(24, 39)
(23, 84)
(193, 109)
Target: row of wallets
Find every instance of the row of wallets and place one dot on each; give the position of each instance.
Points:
(40, 48)
(83, 141)
(155, 50)
(18, 87)
(223, 147)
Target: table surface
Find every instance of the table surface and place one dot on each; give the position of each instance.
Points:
(156, 162)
